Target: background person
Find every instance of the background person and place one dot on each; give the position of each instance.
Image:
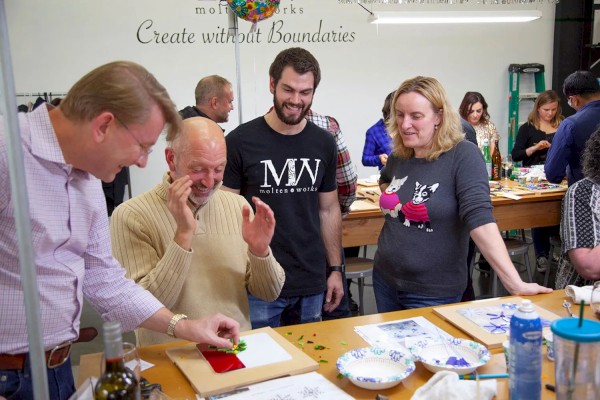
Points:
(535, 136)
(531, 146)
(579, 262)
(198, 249)
(442, 190)
(109, 119)
(564, 158)
(377, 139)
(214, 100)
(291, 164)
(474, 109)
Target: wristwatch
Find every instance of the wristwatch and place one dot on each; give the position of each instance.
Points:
(336, 268)
(176, 318)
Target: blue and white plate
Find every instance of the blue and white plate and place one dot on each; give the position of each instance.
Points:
(375, 368)
(458, 355)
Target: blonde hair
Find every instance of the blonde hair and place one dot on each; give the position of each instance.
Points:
(447, 134)
(123, 88)
(547, 97)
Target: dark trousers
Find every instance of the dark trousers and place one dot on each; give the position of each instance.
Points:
(343, 310)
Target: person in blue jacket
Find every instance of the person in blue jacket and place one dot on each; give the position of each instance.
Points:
(564, 157)
(378, 141)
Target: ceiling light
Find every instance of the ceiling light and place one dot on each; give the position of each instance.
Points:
(452, 17)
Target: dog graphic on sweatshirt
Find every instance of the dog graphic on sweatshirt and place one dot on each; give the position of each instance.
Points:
(389, 202)
(415, 211)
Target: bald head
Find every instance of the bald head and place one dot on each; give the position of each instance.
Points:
(198, 151)
(198, 131)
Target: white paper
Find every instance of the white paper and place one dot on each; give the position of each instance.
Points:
(401, 333)
(144, 365)
(262, 349)
(311, 385)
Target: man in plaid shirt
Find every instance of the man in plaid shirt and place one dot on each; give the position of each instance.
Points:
(346, 179)
(345, 170)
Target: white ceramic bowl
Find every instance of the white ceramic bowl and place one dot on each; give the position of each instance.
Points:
(458, 355)
(375, 368)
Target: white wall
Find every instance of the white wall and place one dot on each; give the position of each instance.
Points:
(53, 43)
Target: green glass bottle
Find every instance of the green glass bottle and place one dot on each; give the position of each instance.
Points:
(487, 157)
(117, 381)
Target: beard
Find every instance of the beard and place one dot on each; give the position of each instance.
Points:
(200, 199)
(291, 120)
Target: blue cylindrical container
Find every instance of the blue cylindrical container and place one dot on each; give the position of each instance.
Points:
(525, 380)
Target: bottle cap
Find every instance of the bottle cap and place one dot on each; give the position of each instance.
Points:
(568, 328)
(486, 142)
(111, 330)
(526, 305)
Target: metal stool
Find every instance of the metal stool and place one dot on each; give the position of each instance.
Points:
(359, 268)
(514, 247)
(554, 243)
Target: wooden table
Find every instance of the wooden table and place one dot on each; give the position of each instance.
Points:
(331, 334)
(361, 227)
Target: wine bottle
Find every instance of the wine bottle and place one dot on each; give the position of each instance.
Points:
(496, 163)
(117, 381)
(487, 157)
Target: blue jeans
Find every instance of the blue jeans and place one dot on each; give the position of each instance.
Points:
(388, 298)
(18, 384)
(285, 310)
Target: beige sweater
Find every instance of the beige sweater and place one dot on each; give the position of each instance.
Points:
(214, 277)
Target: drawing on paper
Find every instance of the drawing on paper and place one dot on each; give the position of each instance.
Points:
(493, 319)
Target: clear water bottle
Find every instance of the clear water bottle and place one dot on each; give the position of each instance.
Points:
(525, 380)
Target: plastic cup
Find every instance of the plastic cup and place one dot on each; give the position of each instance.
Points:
(577, 358)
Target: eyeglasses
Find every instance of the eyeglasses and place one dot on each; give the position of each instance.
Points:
(145, 150)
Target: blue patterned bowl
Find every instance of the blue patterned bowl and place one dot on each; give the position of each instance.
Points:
(458, 355)
(375, 368)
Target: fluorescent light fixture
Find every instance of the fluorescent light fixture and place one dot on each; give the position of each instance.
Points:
(452, 17)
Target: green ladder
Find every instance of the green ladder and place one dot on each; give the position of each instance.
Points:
(516, 96)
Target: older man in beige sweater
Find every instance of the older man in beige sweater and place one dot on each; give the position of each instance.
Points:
(198, 249)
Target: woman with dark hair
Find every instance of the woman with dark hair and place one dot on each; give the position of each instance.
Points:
(435, 194)
(531, 147)
(535, 136)
(473, 109)
(579, 262)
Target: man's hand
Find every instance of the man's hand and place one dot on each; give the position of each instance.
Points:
(215, 330)
(258, 232)
(177, 197)
(335, 291)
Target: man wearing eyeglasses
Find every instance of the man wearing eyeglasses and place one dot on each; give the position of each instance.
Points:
(564, 157)
(110, 119)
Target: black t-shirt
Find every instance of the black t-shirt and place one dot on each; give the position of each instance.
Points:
(287, 172)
